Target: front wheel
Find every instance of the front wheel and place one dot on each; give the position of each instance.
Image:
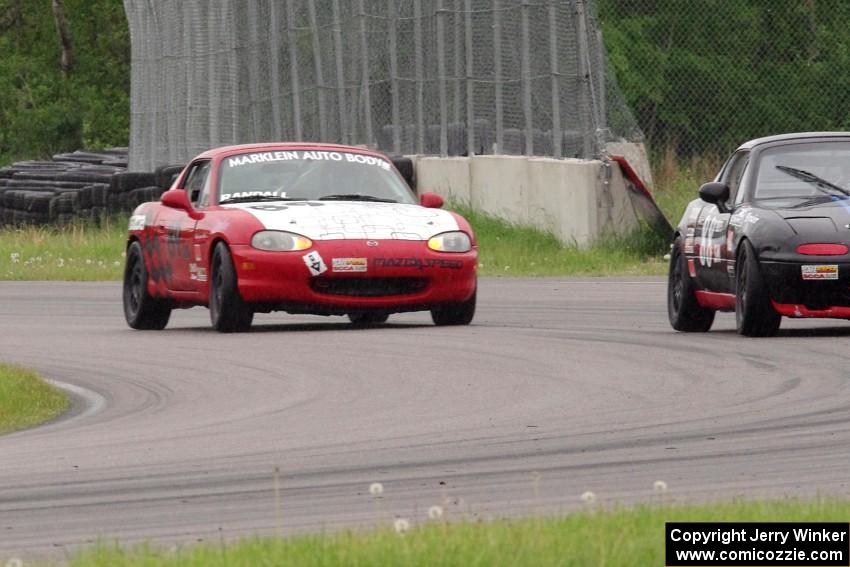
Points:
(141, 310)
(754, 313)
(455, 313)
(683, 310)
(228, 311)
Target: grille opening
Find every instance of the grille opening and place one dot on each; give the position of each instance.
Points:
(369, 287)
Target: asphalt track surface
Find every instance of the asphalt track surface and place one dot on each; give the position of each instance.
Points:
(560, 386)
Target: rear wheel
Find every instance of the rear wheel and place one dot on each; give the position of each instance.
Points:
(455, 313)
(141, 310)
(754, 313)
(683, 310)
(228, 311)
(364, 319)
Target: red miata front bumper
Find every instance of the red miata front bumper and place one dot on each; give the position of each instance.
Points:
(391, 275)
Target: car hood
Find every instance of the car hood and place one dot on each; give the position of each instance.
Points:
(823, 218)
(332, 220)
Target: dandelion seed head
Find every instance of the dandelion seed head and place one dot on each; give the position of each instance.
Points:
(435, 512)
(15, 257)
(88, 261)
(401, 525)
(588, 497)
(15, 562)
(659, 486)
(376, 489)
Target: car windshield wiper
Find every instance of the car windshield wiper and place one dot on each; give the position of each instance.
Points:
(253, 198)
(810, 177)
(355, 197)
(820, 199)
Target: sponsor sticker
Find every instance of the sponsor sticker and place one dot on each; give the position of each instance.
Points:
(314, 263)
(820, 272)
(349, 265)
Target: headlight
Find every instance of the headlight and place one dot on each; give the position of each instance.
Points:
(279, 241)
(456, 241)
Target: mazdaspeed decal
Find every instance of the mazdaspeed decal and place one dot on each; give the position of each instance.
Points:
(350, 220)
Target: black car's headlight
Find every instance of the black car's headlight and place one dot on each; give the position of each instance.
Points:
(280, 241)
(455, 241)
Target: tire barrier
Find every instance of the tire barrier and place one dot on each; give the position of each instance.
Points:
(81, 185)
(87, 185)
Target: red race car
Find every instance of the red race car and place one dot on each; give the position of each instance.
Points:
(304, 228)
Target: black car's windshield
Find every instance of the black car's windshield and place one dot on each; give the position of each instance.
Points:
(807, 172)
(310, 175)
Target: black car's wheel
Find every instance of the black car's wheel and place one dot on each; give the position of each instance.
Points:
(228, 311)
(683, 310)
(141, 310)
(455, 313)
(754, 313)
(364, 319)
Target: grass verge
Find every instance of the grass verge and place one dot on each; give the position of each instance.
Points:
(26, 399)
(78, 252)
(619, 537)
(505, 249)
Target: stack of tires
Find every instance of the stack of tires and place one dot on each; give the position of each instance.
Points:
(81, 185)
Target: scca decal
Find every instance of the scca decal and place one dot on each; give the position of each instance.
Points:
(420, 263)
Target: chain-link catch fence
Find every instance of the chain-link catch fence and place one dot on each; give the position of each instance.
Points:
(441, 77)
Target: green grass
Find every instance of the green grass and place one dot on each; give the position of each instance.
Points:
(505, 249)
(26, 399)
(617, 537)
(79, 252)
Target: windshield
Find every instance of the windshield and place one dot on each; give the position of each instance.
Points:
(310, 175)
(810, 170)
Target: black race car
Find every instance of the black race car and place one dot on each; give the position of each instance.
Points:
(767, 238)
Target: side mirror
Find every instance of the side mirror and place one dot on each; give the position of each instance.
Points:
(177, 199)
(715, 193)
(431, 200)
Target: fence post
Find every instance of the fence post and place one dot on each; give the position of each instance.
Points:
(420, 79)
(470, 81)
(585, 84)
(393, 23)
(274, 62)
(458, 34)
(293, 70)
(441, 77)
(317, 63)
(603, 77)
(526, 80)
(556, 79)
(340, 74)
(497, 73)
(364, 55)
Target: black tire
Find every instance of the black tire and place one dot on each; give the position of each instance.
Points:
(683, 310)
(754, 313)
(365, 319)
(228, 311)
(455, 313)
(142, 311)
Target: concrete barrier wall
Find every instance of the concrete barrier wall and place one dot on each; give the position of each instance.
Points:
(577, 200)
